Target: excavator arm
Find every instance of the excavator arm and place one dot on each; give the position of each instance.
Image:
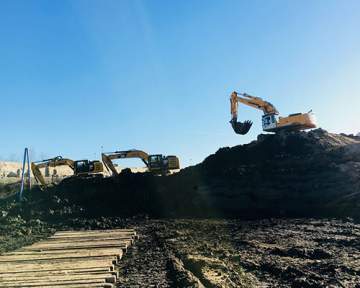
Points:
(53, 162)
(37, 174)
(109, 165)
(108, 157)
(252, 101)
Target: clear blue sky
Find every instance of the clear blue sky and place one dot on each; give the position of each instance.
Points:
(156, 75)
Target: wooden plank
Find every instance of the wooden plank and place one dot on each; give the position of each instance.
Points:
(56, 266)
(49, 270)
(89, 238)
(20, 273)
(55, 236)
(102, 285)
(85, 283)
(83, 242)
(69, 235)
(96, 231)
(75, 247)
(67, 251)
(55, 278)
(99, 243)
(92, 236)
(104, 259)
(67, 285)
(80, 253)
(46, 258)
(79, 240)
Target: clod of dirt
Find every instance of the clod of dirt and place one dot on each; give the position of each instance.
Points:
(181, 276)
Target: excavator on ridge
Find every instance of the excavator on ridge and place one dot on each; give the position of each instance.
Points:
(156, 163)
(270, 120)
(81, 168)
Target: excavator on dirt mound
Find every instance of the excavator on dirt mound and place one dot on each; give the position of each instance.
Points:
(270, 120)
(157, 164)
(81, 168)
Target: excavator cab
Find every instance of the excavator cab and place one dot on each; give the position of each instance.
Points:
(156, 161)
(160, 164)
(86, 167)
(269, 122)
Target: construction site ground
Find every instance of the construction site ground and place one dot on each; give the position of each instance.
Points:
(222, 253)
(282, 211)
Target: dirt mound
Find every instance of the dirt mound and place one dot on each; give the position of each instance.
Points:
(298, 174)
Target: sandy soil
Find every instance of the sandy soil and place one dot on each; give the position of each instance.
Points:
(7, 167)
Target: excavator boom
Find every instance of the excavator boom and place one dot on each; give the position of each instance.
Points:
(52, 162)
(252, 101)
(108, 157)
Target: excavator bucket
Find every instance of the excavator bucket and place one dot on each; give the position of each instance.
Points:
(241, 127)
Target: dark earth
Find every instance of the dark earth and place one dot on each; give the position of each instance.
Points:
(222, 253)
(282, 211)
(299, 174)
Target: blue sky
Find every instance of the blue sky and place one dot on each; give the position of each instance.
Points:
(78, 77)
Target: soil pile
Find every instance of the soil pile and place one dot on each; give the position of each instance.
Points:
(297, 174)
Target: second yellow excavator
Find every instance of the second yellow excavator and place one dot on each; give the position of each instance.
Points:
(81, 168)
(270, 121)
(157, 163)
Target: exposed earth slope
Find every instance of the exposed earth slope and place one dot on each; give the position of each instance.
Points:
(300, 174)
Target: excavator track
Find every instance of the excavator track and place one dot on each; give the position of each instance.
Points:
(67, 259)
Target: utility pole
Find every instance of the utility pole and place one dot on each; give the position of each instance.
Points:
(26, 160)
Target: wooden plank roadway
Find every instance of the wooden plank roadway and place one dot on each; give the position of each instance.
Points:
(67, 259)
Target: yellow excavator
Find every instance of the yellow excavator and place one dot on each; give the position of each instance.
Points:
(271, 122)
(81, 168)
(156, 164)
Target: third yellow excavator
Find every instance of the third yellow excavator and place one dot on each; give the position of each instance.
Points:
(271, 122)
(156, 163)
(81, 168)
